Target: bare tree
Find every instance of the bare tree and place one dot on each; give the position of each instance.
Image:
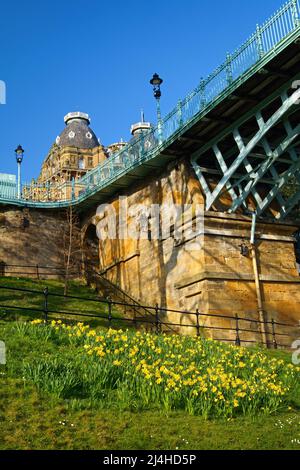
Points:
(72, 246)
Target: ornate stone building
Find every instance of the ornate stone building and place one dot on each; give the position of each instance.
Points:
(75, 151)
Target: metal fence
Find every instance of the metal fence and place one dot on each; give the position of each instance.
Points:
(265, 42)
(36, 271)
(233, 329)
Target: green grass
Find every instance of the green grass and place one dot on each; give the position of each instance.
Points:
(33, 418)
(33, 301)
(29, 420)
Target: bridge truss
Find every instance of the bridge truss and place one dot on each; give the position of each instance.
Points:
(252, 163)
(239, 128)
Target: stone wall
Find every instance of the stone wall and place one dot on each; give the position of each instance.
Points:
(30, 237)
(226, 285)
(216, 279)
(149, 269)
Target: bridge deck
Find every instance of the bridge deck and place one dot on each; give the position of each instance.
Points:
(262, 65)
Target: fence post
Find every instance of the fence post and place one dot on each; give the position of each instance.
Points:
(134, 320)
(37, 272)
(295, 13)
(142, 145)
(46, 310)
(2, 268)
(179, 110)
(259, 43)
(109, 310)
(229, 69)
(157, 320)
(198, 322)
(202, 93)
(237, 329)
(274, 335)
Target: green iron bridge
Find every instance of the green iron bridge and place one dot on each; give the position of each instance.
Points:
(240, 128)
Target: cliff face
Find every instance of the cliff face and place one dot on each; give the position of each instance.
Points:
(30, 237)
(171, 271)
(212, 276)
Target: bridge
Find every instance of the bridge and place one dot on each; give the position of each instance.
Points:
(239, 128)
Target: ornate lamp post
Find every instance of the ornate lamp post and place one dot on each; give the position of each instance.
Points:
(156, 82)
(19, 157)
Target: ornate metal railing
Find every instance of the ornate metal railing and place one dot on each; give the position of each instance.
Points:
(8, 186)
(266, 42)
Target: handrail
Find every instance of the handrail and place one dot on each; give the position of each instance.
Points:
(133, 302)
(156, 321)
(130, 301)
(265, 41)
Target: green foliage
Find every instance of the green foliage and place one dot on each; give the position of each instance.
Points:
(143, 371)
(53, 395)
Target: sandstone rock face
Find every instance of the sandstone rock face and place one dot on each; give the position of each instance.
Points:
(30, 238)
(215, 279)
(147, 268)
(211, 276)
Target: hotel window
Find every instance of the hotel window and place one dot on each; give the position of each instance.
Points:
(81, 163)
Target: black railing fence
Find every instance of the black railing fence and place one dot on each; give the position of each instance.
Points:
(129, 303)
(91, 275)
(37, 271)
(233, 329)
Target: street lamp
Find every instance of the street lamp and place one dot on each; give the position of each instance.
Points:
(19, 157)
(156, 82)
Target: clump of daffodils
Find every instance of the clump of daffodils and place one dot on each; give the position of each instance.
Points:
(201, 376)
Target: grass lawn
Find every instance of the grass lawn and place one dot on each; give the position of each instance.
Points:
(29, 420)
(12, 298)
(32, 417)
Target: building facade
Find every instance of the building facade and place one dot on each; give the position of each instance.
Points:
(75, 151)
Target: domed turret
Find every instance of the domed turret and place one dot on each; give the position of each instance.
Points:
(140, 127)
(76, 151)
(77, 132)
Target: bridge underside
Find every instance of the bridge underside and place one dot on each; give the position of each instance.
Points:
(251, 162)
(244, 147)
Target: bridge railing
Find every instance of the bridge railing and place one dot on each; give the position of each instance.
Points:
(8, 186)
(265, 39)
(47, 192)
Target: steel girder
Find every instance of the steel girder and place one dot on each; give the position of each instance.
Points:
(259, 166)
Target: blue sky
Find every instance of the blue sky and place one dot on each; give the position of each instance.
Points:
(97, 57)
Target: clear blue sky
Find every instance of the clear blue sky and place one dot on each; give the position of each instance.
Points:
(97, 56)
